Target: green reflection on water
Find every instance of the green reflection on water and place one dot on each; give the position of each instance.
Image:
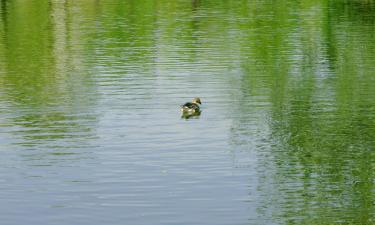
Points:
(44, 83)
(304, 81)
(321, 113)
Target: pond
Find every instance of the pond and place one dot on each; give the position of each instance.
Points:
(91, 130)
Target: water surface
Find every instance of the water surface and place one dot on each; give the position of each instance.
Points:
(91, 133)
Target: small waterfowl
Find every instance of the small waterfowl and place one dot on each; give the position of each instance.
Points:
(191, 107)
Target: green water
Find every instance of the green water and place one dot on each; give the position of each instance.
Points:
(91, 132)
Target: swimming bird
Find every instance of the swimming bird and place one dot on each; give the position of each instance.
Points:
(191, 107)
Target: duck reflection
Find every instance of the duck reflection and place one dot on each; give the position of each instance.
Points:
(189, 115)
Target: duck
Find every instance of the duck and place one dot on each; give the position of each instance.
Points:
(191, 107)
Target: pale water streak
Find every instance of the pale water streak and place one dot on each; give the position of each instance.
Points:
(91, 133)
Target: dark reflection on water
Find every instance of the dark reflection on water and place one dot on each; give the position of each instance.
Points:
(194, 115)
(91, 132)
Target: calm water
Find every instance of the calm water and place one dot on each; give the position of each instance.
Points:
(91, 133)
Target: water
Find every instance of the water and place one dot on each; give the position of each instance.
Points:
(91, 133)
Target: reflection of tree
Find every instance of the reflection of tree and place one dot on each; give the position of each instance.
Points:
(359, 12)
(305, 91)
(3, 19)
(316, 153)
(3, 14)
(46, 85)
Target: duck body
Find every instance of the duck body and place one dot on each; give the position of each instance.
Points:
(191, 107)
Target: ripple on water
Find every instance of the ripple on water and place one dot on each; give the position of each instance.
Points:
(91, 132)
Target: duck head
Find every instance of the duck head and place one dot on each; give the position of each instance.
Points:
(196, 101)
